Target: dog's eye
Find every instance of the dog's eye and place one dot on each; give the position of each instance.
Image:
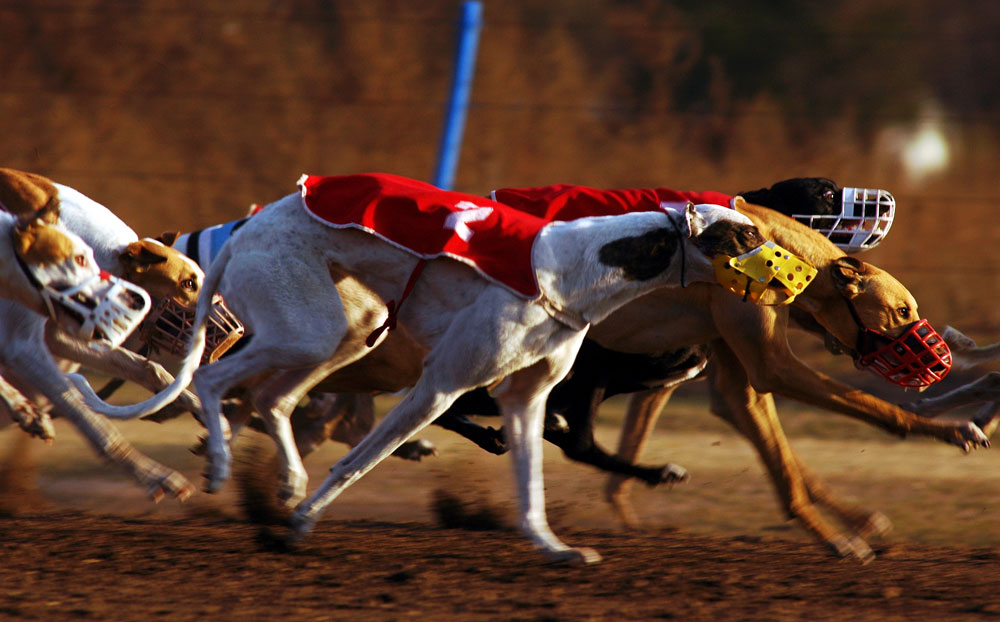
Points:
(189, 285)
(81, 260)
(904, 312)
(828, 195)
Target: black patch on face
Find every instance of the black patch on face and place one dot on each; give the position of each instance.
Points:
(802, 195)
(728, 238)
(641, 257)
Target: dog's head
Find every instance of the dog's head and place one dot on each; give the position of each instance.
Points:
(745, 263)
(877, 322)
(68, 284)
(164, 272)
(855, 219)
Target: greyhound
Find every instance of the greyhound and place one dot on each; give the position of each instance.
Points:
(847, 300)
(518, 337)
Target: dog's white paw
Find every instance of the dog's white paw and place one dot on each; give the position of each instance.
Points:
(579, 556)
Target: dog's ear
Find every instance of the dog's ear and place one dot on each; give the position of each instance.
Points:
(695, 221)
(138, 258)
(848, 276)
(167, 238)
(48, 214)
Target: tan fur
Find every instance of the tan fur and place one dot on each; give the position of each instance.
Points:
(23, 194)
(751, 359)
(38, 243)
(162, 271)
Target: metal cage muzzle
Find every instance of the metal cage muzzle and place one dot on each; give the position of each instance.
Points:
(866, 214)
(170, 325)
(916, 359)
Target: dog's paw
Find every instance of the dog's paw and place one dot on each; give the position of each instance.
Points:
(416, 450)
(579, 556)
(671, 474)
(969, 437)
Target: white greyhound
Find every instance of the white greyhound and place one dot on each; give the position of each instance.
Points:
(27, 342)
(283, 267)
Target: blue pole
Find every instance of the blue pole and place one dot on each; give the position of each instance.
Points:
(469, 24)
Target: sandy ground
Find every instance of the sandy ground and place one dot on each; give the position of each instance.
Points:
(89, 546)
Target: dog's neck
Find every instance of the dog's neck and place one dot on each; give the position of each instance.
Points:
(575, 281)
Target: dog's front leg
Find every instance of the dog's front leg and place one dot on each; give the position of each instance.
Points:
(753, 414)
(32, 420)
(522, 397)
(983, 389)
(42, 374)
(757, 336)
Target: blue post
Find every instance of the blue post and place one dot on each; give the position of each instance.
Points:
(469, 24)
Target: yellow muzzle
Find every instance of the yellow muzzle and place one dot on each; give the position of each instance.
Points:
(749, 275)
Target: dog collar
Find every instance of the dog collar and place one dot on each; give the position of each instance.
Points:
(750, 274)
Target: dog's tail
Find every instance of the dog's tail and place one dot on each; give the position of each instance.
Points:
(189, 364)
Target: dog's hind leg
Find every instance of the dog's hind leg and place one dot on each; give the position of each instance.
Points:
(276, 398)
(480, 346)
(640, 418)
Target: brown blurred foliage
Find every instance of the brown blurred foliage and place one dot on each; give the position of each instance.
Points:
(179, 114)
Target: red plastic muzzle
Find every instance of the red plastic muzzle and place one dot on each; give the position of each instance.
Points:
(915, 360)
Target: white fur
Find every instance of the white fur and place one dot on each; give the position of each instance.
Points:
(276, 274)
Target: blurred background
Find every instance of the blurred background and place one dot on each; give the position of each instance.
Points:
(179, 114)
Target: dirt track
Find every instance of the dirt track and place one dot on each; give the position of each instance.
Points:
(76, 566)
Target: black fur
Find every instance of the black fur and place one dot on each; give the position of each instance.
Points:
(801, 195)
(728, 238)
(641, 257)
(598, 373)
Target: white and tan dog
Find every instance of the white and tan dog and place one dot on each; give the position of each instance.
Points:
(27, 341)
(282, 270)
(39, 260)
(43, 267)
